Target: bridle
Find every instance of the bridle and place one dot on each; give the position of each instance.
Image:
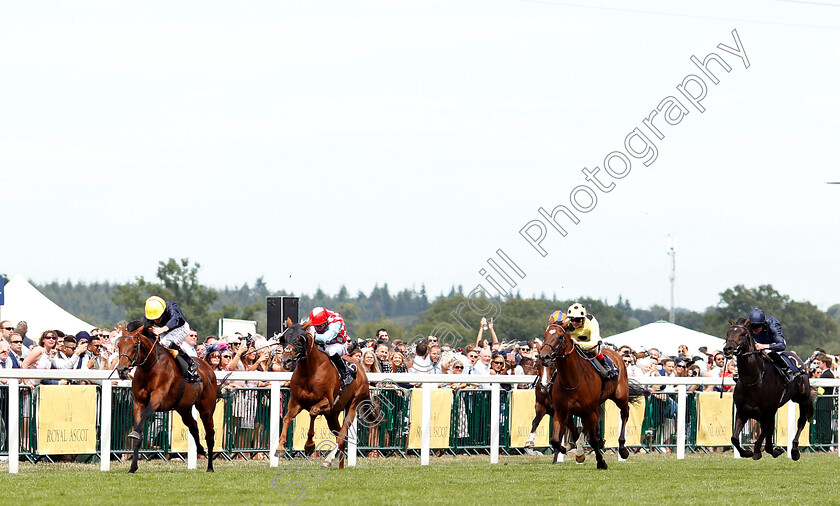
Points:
(742, 349)
(133, 360)
(559, 353)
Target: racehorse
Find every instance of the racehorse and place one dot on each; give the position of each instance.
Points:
(542, 402)
(158, 386)
(315, 387)
(579, 390)
(760, 390)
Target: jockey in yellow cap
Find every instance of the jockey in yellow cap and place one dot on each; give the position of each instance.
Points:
(165, 319)
(586, 332)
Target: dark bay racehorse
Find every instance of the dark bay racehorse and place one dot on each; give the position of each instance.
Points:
(761, 390)
(158, 386)
(578, 390)
(315, 387)
(542, 402)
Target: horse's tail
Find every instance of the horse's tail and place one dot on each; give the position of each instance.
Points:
(636, 391)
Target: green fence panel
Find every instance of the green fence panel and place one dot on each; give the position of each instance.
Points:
(659, 428)
(823, 434)
(247, 420)
(27, 425)
(390, 435)
(156, 438)
(470, 427)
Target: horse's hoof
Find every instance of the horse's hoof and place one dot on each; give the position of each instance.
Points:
(602, 464)
(776, 452)
(623, 453)
(327, 463)
(210, 470)
(280, 453)
(563, 450)
(745, 454)
(134, 435)
(580, 458)
(309, 450)
(132, 470)
(756, 456)
(794, 454)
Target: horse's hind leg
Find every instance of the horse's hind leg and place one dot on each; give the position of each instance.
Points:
(539, 414)
(740, 421)
(591, 427)
(623, 452)
(192, 425)
(206, 413)
(806, 413)
(309, 446)
(340, 440)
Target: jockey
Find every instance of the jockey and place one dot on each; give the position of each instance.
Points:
(331, 336)
(557, 316)
(166, 320)
(767, 334)
(586, 332)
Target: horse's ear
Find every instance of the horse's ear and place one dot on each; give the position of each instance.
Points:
(306, 324)
(288, 322)
(730, 321)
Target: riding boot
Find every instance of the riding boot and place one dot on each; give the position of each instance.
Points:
(612, 373)
(191, 367)
(602, 370)
(343, 371)
(787, 374)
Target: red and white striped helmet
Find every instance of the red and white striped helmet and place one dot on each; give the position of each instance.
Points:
(318, 316)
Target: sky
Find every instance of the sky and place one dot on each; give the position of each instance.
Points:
(329, 143)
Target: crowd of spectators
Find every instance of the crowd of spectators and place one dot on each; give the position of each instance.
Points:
(95, 349)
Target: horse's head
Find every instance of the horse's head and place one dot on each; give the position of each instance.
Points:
(738, 338)
(297, 344)
(556, 344)
(128, 346)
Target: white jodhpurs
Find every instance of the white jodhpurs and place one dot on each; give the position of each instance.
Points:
(175, 336)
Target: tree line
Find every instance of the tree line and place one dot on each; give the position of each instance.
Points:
(409, 313)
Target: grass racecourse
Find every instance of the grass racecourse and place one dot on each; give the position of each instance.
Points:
(643, 479)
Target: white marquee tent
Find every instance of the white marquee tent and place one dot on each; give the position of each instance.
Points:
(666, 337)
(24, 302)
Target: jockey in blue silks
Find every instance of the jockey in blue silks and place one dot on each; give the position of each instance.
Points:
(767, 334)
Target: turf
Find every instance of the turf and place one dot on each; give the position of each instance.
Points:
(644, 479)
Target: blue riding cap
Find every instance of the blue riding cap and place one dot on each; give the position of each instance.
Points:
(757, 317)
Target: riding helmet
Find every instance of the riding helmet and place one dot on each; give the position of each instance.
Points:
(557, 316)
(757, 317)
(318, 316)
(155, 307)
(576, 310)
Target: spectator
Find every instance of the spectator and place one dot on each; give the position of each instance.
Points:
(356, 353)
(398, 366)
(66, 349)
(681, 368)
(5, 361)
(95, 357)
(458, 368)
(370, 363)
(694, 372)
(383, 355)
(630, 365)
(22, 328)
(432, 340)
(210, 340)
(382, 336)
(190, 343)
(421, 362)
(824, 364)
(682, 351)
(400, 346)
(6, 330)
(482, 366)
(523, 350)
(498, 367)
(435, 353)
(472, 358)
(16, 353)
(40, 357)
(714, 371)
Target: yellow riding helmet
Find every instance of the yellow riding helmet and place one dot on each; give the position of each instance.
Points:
(556, 316)
(576, 310)
(154, 307)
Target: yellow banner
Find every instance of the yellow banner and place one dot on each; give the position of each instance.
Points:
(782, 427)
(612, 424)
(714, 419)
(322, 430)
(66, 419)
(522, 414)
(441, 418)
(180, 433)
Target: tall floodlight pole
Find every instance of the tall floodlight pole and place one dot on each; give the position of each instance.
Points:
(672, 252)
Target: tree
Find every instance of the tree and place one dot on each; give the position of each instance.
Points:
(178, 283)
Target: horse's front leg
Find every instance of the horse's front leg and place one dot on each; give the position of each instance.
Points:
(740, 421)
(293, 411)
(309, 447)
(557, 430)
(806, 413)
(141, 415)
(768, 427)
(340, 433)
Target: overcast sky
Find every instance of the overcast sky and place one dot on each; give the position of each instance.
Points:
(354, 142)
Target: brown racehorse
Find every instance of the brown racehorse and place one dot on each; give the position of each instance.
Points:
(315, 387)
(542, 403)
(158, 386)
(578, 390)
(760, 390)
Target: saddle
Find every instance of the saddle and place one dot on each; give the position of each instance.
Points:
(610, 367)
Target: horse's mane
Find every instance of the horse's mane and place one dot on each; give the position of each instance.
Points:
(136, 324)
(741, 320)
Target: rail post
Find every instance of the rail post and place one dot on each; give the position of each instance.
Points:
(425, 424)
(14, 425)
(105, 426)
(681, 405)
(274, 421)
(494, 422)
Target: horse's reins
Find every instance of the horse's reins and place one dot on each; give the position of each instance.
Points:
(133, 361)
(556, 355)
(740, 351)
